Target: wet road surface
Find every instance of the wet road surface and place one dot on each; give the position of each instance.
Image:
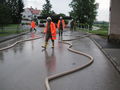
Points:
(25, 66)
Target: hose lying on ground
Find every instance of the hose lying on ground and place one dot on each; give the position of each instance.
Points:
(48, 79)
(10, 46)
(69, 48)
(78, 37)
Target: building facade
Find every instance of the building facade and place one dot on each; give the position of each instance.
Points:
(114, 30)
(29, 14)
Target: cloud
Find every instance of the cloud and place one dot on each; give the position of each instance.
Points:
(61, 6)
(103, 15)
(103, 10)
(103, 4)
(34, 3)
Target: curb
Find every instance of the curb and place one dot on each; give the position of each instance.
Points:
(110, 58)
(8, 38)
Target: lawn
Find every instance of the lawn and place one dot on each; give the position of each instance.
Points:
(12, 25)
(101, 32)
(10, 29)
(6, 33)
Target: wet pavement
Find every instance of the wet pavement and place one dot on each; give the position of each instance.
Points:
(22, 37)
(111, 50)
(25, 66)
(104, 42)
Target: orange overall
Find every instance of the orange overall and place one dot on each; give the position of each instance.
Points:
(33, 25)
(61, 26)
(52, 30)
(50, 33)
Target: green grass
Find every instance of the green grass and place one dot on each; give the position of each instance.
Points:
(12, 25)
(6, 33)
(9, 32)
(101, 32)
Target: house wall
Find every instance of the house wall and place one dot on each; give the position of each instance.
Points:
(114, 31)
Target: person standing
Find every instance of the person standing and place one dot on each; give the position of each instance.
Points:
(61, 26)
(33, 25)
(50, 32)
(72, 25)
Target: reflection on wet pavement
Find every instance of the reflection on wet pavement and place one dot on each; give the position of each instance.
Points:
(25, 66)
(50, 61)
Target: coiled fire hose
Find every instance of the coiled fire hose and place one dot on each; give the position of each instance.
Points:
(48, 79)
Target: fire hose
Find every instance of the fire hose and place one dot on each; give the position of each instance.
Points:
(48, 79)
(12, 45)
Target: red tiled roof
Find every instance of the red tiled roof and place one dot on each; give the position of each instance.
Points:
(34, 11)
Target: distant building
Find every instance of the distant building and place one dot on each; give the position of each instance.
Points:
(29, 14)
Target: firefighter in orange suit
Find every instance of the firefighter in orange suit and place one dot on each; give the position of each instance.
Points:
(50, 32)
(33, 25)
(61, 26)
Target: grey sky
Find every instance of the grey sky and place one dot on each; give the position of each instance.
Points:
(62, 6)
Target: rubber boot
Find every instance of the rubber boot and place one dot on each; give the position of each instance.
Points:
(52, 44)
(45, 45)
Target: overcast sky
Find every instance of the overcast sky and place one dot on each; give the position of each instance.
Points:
(62, 6)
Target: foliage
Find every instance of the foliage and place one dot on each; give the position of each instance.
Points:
(16, 7)
(5, 17)
(10, 11)
(47, 9)
(84, 11)
(102, 32)
(102, 24)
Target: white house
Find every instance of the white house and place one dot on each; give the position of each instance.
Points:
(29, 14)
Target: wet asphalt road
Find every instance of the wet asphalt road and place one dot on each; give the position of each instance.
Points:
(25, 66)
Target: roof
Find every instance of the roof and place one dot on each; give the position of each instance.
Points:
(34, 11)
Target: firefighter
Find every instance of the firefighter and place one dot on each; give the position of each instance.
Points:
(61, 25)
(33, 25)
(72, 25)
(50, 32)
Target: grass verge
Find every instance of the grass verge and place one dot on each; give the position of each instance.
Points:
(10, 29)
(101, 32)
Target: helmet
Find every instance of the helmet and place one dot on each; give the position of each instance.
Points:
(49, 18)
(61, 17)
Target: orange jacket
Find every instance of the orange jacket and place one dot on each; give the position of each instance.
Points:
(33, 24)
(58, 25)
(53, 30)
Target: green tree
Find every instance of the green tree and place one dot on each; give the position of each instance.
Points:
(2, 1)
(84, 11)
(20, 9)
(62, 14)
(5, 17)
(47, 9)
(16, 7)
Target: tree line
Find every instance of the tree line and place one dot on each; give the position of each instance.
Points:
(10, 11)
(83, 11)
